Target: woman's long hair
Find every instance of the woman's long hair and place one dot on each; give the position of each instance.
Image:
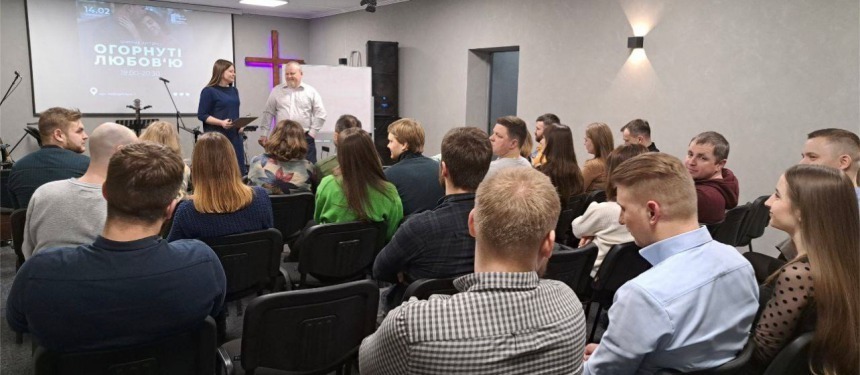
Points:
(287, 142)
(615, 158)
(360, 169)
(218, 187)
(829, 224)
(560, 164)
(601, 138)
(162, 132)
(218, 70)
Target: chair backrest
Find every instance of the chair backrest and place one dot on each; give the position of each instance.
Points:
(292, 212)
(562, 228)
(337, 251)
(598, 196)
(755, 221)
(572, 266)
(622, 263)
(424, 288)
(728, 232)
(17, 221)
(250, 260)
(577, 204)
(191, 352)
(309, 330)
(763, 265)
(793, 359)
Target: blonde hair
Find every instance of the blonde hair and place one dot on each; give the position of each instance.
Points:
(601, 137)
(287, 141)
(218, 187)
(829, 225)
(164, 133)
(409, 132)
(514, 210)
(662, 178)
(526, 147)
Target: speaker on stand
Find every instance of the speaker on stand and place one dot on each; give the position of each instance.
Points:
(382, 58)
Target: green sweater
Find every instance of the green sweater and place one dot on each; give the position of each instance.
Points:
(331, 205)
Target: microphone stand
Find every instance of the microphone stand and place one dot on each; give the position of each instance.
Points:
(15, 82)
(196, 131)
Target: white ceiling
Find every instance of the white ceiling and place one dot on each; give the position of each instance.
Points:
(294, 9)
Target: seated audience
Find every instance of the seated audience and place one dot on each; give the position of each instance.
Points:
(716, 185)
(329, 165)
(221, 204)
(283, 169)
(415, 176)
(505, 320)
(129, 287)
(817, 289)
(63, 143)
(508, 136)
(600, 223)
(560, 163)
(540, 125)
(360, 192)
(638, 132)
(598, 142)
(436, 244)
(692, 310)
(163, 132)
(835, 148)
(72, 212)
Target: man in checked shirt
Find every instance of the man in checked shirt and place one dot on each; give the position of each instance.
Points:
(506, 320)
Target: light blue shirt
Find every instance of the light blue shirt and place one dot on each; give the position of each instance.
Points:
(692, 310)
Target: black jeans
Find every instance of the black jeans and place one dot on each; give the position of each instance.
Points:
(312, 148)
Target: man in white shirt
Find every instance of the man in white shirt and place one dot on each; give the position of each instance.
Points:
(508, 136)
(295, 101)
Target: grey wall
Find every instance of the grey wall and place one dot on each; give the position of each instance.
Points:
(762, 72)
(251, 36)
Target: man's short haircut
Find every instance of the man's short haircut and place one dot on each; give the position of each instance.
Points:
(847, 142)
(638, 127)
(142, 179)
(105, 139)
(56, 118)
(296, 63)
(516, 128)
(721, 145)
(467, 154)
(514, 210)
(548, 119)
(409, 132)
(346, 122)
(659, 177)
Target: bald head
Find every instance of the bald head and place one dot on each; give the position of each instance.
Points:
(105, 140)
(293, 74)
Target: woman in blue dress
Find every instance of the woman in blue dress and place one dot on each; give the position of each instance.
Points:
(219, 107)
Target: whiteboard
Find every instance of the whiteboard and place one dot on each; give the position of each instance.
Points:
(344, 90)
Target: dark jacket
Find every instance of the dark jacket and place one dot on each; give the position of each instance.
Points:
(417, 180)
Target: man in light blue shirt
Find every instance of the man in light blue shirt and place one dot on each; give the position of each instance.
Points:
(694, 308)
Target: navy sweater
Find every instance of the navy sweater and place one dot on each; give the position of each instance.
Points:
(188, 223)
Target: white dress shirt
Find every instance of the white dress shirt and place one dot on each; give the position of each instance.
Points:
(302, 104)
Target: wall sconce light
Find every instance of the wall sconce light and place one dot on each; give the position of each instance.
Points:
(634, 42)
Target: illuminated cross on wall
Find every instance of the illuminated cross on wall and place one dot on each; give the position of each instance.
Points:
(274, 62)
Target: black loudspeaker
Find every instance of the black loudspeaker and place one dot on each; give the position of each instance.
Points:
(380, 137)
(382, 59)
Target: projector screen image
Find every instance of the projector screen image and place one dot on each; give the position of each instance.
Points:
(100, 56)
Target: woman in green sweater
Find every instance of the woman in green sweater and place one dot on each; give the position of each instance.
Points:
(361, 192)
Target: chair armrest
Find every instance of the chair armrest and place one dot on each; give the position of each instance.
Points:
(288, 285)
(225, 362)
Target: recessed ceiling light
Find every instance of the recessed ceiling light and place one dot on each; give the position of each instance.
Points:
(264, 3)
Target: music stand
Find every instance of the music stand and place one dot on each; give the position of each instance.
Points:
(137, 124)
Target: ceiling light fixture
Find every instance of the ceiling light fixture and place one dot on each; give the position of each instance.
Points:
(264, 3)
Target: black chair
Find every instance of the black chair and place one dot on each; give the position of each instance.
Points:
(251, 261)
(17, 221)
(573, 267)
(333, 253)
(755, 222)
(793, 359)
(598, 196)
(424, 288)
(313, 331)
(729, 231)
(562, 228)
(763, 265)
(736, 366)
(291, 213)
(191, 352)
(621, 264)
(577, 204)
